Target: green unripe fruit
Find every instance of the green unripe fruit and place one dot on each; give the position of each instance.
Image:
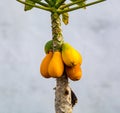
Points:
(48, 46)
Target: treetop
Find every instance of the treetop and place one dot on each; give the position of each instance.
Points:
(59, 6)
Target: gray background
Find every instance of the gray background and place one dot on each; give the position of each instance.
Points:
(95, 32)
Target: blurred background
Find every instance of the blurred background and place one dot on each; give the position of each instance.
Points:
(95, 32)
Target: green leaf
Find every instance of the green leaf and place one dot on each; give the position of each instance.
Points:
(27, 7)
(52, 2)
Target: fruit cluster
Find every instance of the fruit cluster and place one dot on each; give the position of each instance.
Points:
(67, 60)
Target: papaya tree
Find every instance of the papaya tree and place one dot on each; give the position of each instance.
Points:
(61, 57)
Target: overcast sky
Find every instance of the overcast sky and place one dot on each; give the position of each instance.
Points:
(95, 32)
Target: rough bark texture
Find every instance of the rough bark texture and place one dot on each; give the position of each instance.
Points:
(63, 96)
(63, 102)
(56, 31)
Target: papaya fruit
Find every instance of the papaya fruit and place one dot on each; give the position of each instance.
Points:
(71, 56)
(56, 65)
(48, 46)
(44, 65)
(74, 72)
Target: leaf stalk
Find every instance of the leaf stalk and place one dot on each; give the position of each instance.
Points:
(49, 2)
(58, 4)
(36, 6)
(41, 3)
(72, 3)
(79, 7)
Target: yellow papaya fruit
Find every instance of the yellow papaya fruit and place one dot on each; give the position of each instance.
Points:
(44, 65)
(71, 56)
(56, 65)
(74, 73)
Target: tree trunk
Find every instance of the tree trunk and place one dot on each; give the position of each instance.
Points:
(63, 100)
(63, 96)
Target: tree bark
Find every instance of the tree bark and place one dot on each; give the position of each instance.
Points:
(63, 98)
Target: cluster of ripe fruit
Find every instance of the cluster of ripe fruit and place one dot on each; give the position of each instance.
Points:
(68, 60)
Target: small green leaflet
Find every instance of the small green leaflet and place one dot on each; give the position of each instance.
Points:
(28, 7)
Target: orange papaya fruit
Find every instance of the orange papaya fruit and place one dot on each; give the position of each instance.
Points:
(56, 65)
(74, 72)
(44, 65)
